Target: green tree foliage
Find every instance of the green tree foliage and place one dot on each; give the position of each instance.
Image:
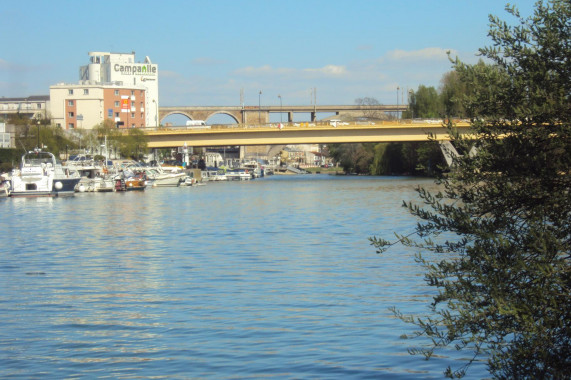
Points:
(353, 158)
(106, 133)
(452, 90)
(32, 133)
(133, 144)
(503, 275)
(426, 103)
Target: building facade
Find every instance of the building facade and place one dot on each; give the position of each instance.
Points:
(33, 107)
(111, 87)
(86, 105)
(105, 67)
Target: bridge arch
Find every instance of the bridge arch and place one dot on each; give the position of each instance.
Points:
(232, 116)
(164, 115)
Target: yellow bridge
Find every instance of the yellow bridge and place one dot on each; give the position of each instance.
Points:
(302, 133)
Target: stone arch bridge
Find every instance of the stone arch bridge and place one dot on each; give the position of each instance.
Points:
(261, 115)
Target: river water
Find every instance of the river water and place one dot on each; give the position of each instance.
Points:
(271, 278)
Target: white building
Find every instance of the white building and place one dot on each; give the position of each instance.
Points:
(34, 107)
(111, 87)
(5, 137)
(86, 104)
(107, 67)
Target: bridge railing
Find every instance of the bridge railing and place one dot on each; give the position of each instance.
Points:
(289, 126)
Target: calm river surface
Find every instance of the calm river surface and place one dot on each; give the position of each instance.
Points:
(271, 278)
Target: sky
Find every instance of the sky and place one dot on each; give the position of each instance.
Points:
(208, 52)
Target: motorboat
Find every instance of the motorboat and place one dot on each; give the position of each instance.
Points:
(238, 175)
(96, 176)
(254, 168)
(40, 174)
(4, 187)
(129, 181)
(94, 179)
(213, 174)
(160, 178)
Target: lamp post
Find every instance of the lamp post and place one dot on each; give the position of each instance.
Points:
(260, 107)
(38, 134)
(281, 108)
(410, 93)
(398, 88)
(157, 113)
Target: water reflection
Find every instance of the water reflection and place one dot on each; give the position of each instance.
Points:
(272, 278)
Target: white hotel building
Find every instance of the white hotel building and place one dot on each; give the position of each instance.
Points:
(112, 86)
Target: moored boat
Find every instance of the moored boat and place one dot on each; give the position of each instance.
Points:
(4, 187)
(130, 181)
(238, 175)
(41, 175)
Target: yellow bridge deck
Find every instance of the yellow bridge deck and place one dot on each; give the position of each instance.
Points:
(302, 133)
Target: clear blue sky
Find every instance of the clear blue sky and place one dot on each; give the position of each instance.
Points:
(208, 50)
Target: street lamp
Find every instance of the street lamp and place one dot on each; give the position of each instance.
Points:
(157, 113)
(281, 109)
(38, 134)
(398, 88)
(260, 107)
(410, 93)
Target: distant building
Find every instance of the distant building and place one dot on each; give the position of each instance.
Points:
(34, 107)
(112, 86)
(5, 136)
(85, 105)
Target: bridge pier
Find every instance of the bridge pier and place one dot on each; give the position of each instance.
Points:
(450, 152)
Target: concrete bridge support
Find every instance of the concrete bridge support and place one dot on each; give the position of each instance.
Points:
(256, 117)
(450, 152)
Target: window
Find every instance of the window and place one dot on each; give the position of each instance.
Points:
(85, 91)
(133, 92)
(70, 126)
(70, 114)
(39, 106)
(116, 114)
(116, 92)
(133, 115)
(70, 103)
(116, 103)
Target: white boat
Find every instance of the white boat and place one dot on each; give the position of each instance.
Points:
(254, 169)
(238, 175)
(41, 175)
(213, 175)
(95, 179)
(96, 176)
(4, 187)
(160, 178)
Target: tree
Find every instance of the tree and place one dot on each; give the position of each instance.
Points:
(504, 282)
(452, 89)
(425, 102)
(106, 132)
(366, 104)
(133, 144)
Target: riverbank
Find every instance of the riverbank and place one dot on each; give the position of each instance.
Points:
(330, 170)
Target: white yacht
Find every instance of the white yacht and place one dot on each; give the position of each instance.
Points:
(41, 175)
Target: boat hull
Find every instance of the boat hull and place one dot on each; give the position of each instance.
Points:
(60, 188)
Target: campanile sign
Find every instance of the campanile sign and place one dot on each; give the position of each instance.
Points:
(136, 69)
